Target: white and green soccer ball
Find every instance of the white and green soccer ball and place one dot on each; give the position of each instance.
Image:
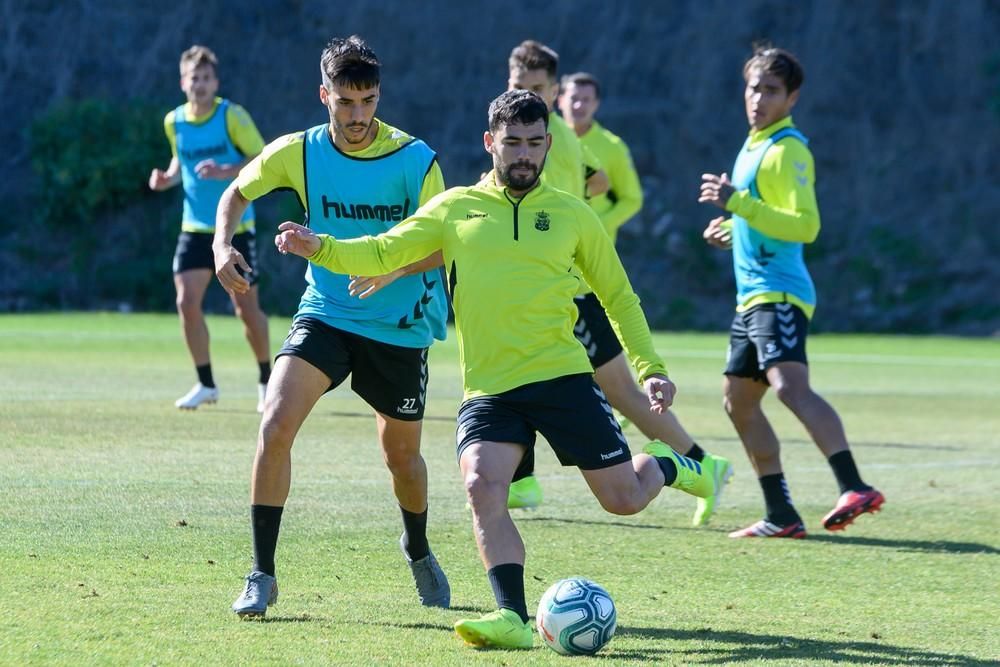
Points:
(576, 617)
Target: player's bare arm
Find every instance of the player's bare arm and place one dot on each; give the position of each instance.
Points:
(228, 260)
(365, 286)
(160, 180)
(718, 234)
(210, 169)
(716, 190)
(660, 391)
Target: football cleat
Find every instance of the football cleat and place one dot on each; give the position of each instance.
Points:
(199, 394)
(721, 470)
(525, 493)
(765, 528)
(260, 592)
(261, 395)
(499, 629)
(432, 584)
(692, 476)
(850, 506)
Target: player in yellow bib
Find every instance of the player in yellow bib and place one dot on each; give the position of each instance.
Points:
(211, 139)
(508, 244)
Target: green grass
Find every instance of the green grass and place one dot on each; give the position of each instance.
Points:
(125, 531)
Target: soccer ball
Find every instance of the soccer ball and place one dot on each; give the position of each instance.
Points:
(576, 617)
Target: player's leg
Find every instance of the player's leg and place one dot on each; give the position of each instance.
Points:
(247, 308)
(493, 435)
(193, 271)
(791, 383)
(616, 380)
(487, 468)
(393, 380)
(312, 361)
(744, 388)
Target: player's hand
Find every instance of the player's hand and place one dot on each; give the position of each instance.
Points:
(228, 263)
(660, 391)
(718, 235)
(209, 169)
(296, 239)
(159, 181)
(598, 183)
(364, 286)
(716, 190)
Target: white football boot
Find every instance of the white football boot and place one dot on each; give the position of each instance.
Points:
(199, 394)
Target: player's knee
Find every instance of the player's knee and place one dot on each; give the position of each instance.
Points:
(792, 394)
(619, 503)
(187, 307)
(276, 434)
(401, 460)
(483, 492)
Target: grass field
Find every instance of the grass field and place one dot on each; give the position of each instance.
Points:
(125, 527)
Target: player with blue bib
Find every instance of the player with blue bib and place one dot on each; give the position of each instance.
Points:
(355, 176)
(772, 200)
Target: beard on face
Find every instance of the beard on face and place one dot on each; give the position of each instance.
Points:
(518, 182)
(351, 137)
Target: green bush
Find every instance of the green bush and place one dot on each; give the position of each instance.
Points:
(93, 155)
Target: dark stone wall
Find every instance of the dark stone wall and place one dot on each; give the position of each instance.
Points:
(901, 101)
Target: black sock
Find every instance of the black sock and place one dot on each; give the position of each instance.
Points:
(507, 581)
(780, 510)
(669, 469)
(526, 468)
(415, 534)
(846, 472)
(205, 376)
(265, 371)
(264, 522)
(696, 453)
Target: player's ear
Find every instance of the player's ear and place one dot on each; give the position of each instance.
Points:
(548, 142)
(793, 97)
(324, 96)
(488, 142)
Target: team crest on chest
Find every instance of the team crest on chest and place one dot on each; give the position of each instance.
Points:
(542, 221)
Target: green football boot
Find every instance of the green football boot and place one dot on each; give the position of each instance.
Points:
(721, 470)
(499, 629)
(691, 478)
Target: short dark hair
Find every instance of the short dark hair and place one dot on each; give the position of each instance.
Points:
(778, 62)
(517, 106)
(350, 62)
(582, 79)
(532, 55)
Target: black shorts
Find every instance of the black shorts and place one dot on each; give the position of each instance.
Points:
(593, 330)
(570, 412)
(390, 378)
(766, 335)
(194, 251)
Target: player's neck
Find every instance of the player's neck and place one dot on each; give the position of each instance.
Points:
(341, 143)
(199, 110)
(581, 128)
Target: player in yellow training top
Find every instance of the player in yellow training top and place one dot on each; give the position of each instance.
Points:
(773, 204)
(508, 244)
(579, 101)
(211, 138)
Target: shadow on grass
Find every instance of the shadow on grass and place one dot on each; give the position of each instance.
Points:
(918, 546)
(369, 415)
(732, 647)
(584, 522)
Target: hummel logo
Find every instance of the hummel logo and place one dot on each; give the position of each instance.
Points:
(611, 455)
(764, 256)
(799, 166)
(474, 214)
(801, 180)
